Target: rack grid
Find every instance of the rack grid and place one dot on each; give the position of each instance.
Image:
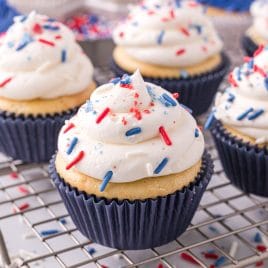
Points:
(39, 232)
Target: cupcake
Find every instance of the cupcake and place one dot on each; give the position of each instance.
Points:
(44, 77)
(131, 166)
(7, 13)
(239, 125)
(174, 46)
(257, 34)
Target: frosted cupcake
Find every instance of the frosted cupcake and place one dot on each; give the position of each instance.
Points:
(7, 13)
(133, 156)
(257, 34)
(241, 126)
(174, 46)
(44, 77)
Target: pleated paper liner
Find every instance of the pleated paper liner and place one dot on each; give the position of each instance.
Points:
(138, 224)
(31, 139)
(248, 45)
(196, 92)
(245, 165)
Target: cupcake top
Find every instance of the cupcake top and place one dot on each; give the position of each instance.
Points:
(244, 105)
(130, 130)
(259, 12)
(229, 5)
(168, 33)
(39, 58)
(7, 13)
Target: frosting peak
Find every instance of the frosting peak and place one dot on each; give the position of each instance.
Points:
(168, 33)
(133, 129)
(244, 105)
(42, 60)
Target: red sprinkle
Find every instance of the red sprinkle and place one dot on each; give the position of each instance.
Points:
(259, 263)
(37, 29)
(212, 266)
(70, 126)
(176, 95)
(129, 86)
(205, 49)
(46, 42)
(185, 31)
(124, 121)
(165, 19)
(165, 136)
(247, 59)
(102, 115)
(172, 14)
(189, 258)
(259, 70)
(5, 82)
(150, 12)
(136, 95)
(121, 34)
(137, 113)
(258, 51)
(23, 189)
(76, 160)
(146, 111)
(58, 37)
(14, 175)
(261, 248)
(231, 80)
(208, 255)
(24, 206)
(180, 52)
(160, 265)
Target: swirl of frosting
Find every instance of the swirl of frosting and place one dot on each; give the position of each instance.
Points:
(229, 5)
(244, 105)
(39, 58)
(131, 130)
(168, 34)
(259, 12)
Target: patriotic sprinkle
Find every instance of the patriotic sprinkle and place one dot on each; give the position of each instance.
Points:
(220, 261)
(23, 206)
(133, 131)
(2, 84)
(180, 52)
(63, 55)
(23, 190)
(72, 145)
(257, 238)
(196, 133)
(77, 159)
(49, 232)
(165, 136)
(46, 42)
(160, 37)
(187, 257)
(102, 115)
(108, 176)
(256, 114)
(14, 175)
(210, 255)
(69, 127)
(261, 248)
(50, 27)
(160, 167)
(90, 250)
(167, 100)
(244, 114)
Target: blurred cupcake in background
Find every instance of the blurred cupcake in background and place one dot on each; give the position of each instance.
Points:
(257, 34)
(7, 13)
(239, 125)
(174, 45)
(44, 77)
(133, 156)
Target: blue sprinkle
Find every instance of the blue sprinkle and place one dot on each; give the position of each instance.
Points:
(266, 83)
(26, 39)
(220, 261)
(255, 114)
(91, 251)
(251, 64)
(244, 114)
(258, 238)
(151, 92)
(10, 44)
(133, 131)
(115, 80)
(196, 133)
(106, 179)
(126, 80)
(89, 106)
(169, 99)
(209, 121)
(51, 20)
(184, 74)
(49, 232)
(63, 55)
(178, 3)
(50, 27)
(23, 18)
(231, 97)
(197, 27)
(213, 229)
(72, 145)
(161, 166)
(239, 74)
(21, 46)
(186, 108)
(160, 37)
(63, 220)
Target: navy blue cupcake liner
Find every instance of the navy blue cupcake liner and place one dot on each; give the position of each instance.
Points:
(138, 224)
(245, 165)
(249, 45)
(196, 92)
(31, 139)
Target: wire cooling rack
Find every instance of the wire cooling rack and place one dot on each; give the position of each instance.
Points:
(229, 228)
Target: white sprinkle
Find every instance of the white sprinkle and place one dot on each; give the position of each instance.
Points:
(24, 254)
(149, 169)
(233, 249)
(135, 153)
(29, 235)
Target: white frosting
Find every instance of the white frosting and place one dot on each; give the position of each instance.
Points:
(259, 12)
(168, 35)
(107, 147)
(250, 90)
(40, 70)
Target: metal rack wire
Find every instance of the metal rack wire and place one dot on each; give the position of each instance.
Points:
(32, 216)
